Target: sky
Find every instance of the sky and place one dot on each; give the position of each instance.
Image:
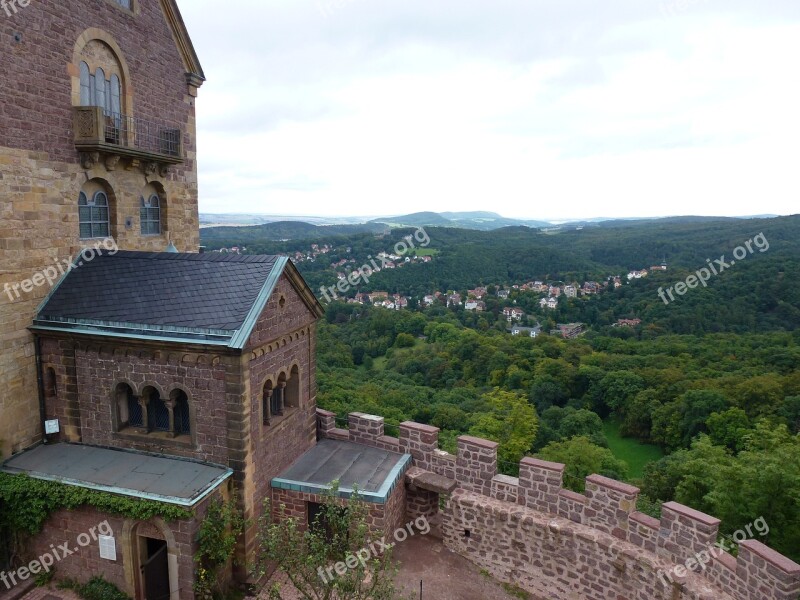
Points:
(534, 109)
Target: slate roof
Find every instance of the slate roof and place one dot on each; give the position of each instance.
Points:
(127, 472)
(204, 297)
(375, 472)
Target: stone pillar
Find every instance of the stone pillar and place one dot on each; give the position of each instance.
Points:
(760, 568)
(420, 441)
(540, 482)
(326, 422)
(476, 464)
(610, 505)
(685, 532)
(365, 429)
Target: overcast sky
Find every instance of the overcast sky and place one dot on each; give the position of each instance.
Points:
(530, 108)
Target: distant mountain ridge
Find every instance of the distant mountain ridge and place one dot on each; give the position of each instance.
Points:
(269, 227)
(480, 220)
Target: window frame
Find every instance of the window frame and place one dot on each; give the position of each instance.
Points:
(148, 225)
(97, 225)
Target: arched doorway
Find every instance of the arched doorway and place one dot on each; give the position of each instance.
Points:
(154, 561)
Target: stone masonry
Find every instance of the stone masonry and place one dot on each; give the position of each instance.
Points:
(558, 544)
(41, 172)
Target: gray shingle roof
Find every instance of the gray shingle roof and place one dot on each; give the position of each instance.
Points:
(162, 290)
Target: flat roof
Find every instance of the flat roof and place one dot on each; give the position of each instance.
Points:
(374, 471)
(129, 473)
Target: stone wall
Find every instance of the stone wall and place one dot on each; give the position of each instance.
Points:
(40, 171)
(86, 375)
(383, 518)
(284, 337)
(80, 529)
(555, 543)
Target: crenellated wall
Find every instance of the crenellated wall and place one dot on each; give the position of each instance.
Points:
(558, 544)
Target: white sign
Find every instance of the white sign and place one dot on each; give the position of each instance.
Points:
(51, 427)
(108, 547)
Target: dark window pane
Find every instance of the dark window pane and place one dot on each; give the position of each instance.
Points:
(135, 418)
(182, 424)
(158, 415)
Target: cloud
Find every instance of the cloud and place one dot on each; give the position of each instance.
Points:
(531, 108)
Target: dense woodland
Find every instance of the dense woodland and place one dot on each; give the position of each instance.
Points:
(713, 378)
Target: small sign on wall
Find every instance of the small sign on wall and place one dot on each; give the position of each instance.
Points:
(51, 427)
(108, 547)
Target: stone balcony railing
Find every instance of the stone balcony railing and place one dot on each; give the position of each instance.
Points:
(113, 138)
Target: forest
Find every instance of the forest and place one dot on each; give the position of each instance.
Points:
(725, 408)
(707, 385)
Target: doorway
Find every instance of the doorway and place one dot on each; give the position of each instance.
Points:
(155, 569)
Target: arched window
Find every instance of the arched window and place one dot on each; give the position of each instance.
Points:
(292, 398)
(116, 96)
(86, 85)
(93, 215)
(100, 86)
(266, 403)
(96, 90)
(157, 411)
(129, 411)
(180, 413)
(151, 215)
(279, 397)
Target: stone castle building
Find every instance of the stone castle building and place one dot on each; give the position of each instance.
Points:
(97, 141)
(149, 371)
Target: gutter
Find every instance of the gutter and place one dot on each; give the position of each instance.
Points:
(37, 342)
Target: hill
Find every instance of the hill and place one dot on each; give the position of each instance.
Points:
(479, 220)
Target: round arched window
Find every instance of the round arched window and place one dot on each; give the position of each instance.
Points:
(93, 215)
(151, 215)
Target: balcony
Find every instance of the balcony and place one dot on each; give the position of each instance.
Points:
(114, 138)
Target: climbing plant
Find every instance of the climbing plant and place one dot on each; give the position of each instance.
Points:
(216, 540)
(26, 503)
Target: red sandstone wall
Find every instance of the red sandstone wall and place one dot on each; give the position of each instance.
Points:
(561, 545)
(83, 564)
(87, 376)
(36, 95)
(283, 337)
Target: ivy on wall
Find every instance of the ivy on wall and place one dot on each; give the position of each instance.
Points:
(26, 503)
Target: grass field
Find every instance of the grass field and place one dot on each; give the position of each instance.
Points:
(426, 252)
(633, 452)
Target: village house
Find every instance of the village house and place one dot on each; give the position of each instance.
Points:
(513, 314)
(568, 331)
(532, 332)
(637, 274)
(454, 300)
(628, 323)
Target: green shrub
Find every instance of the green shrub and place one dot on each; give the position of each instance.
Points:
(96, 588)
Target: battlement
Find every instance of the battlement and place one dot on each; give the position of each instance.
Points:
(682, 542)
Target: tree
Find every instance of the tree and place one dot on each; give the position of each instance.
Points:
(583, 458)
(696, 406)
(339, 535)
(729, 428)
(512, 422)
(790, 412)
